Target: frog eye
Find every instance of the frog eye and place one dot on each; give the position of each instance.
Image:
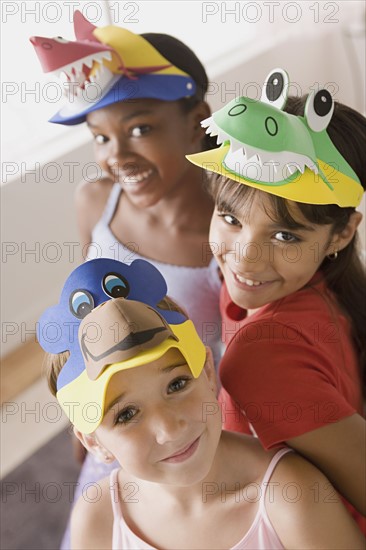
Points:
(81, 303)
(275, 88)
(319, 110)
(115, 285)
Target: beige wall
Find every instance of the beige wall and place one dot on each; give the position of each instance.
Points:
(39, 216)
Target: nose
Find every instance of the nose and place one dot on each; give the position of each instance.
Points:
(168, 424)
(250, 255)
(120, 157)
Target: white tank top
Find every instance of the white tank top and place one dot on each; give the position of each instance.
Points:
(196, 289)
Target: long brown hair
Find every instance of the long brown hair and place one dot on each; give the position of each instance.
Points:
(346, 277)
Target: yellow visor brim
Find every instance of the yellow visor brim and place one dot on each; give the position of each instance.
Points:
(83, 399)
(307, 188)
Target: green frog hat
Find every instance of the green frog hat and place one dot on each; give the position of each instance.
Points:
(283, 154)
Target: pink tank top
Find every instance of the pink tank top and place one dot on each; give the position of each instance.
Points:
(261, 534)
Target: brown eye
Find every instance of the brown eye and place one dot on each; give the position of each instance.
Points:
(139, 131)
(178, 384)
(100, 139)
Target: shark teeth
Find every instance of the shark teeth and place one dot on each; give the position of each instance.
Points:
(74, 78)
(93, 88)
(258, 164)
(77, 65)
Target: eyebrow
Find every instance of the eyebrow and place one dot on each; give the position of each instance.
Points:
(169, 368)
(126, 118)
(114, 402)
(229, 208)
(172, 367)
(279, 225)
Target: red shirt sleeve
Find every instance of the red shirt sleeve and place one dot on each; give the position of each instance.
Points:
(285, 380)
(233, 418)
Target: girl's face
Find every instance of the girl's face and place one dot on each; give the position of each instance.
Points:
(162, 424)
(142, 144)
(261, 259)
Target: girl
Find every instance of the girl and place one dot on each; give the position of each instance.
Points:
(154, 390)
(150, 202)
(293, 301)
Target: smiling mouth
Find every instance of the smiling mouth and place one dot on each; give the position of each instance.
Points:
(135, 179)
(252, 283)
(249, 282)
(184, 453)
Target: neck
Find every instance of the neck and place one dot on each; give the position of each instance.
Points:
(188, 204)
(192, 498)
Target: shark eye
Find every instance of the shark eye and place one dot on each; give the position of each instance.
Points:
(275, 89)
(81, 303)
(319, 110)
(115, 285)
(60, 40)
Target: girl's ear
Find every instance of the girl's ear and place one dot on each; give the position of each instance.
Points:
(91, 444)
(210, 371)
(342, 239)
(199, 113)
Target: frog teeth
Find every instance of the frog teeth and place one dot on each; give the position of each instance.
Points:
(207, 122)
(265, 166)
(291, 169)
(214, 130)
(221, 137)
(258, 164)
(251, 152)
(235, 145)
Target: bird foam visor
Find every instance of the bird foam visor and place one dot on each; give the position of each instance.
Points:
(117, 335)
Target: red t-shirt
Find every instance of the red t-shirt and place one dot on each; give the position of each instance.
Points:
(289, 368)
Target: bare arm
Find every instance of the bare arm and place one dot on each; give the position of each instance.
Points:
(92, 520)
(306, 511)
(90, 201)
(339, 451)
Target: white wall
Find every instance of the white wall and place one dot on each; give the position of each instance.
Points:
(37, 210)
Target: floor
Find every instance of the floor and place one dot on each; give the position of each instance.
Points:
(36, 497)
(30, 415)
(37, 466)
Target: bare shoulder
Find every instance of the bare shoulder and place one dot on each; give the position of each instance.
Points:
(93, 194)
(246, 449)
(305, 509)
(90, 200)
(92, 518)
